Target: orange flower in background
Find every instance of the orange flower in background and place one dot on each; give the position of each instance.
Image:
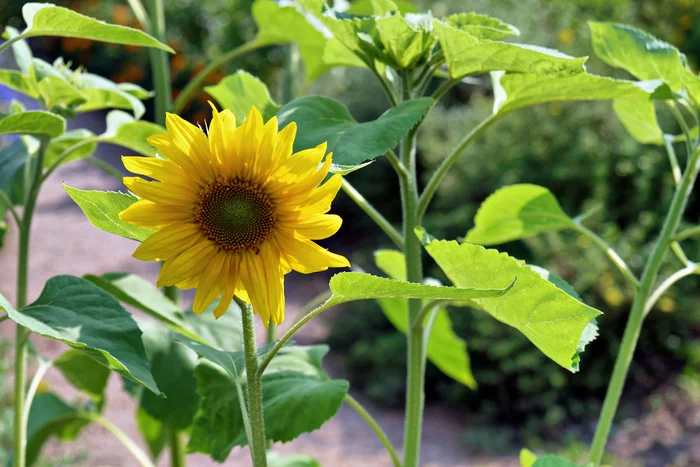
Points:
(235, 210)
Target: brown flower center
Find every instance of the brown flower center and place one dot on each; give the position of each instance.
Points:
(235, 214)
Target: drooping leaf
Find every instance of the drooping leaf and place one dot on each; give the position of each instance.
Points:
(136, 291)
(639, 118)
(466, 55)
(641, 54)
(32, 122)
(83, 316)
(124, 130)
(513, 91)
(446, 350)
(482, 26)
(102, 209)
(84, 373)
(56, 91)
(18, 82)
(320, 119)
(546, 315)
(45, 19)
(241, 90)
(68, 139)
(515, 212)
(50, 416)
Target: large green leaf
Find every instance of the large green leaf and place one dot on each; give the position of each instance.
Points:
(84, 373)
(240, 91)
(45, 19)
(446, 350)
(406, 43)
(32, 122)
(225, 333)
(102, 209)
(641, 54)
(482, 26)
(320, 119)
(68, 139)
(102, 93)
(515, 212)
(124, 130)
(513, 90)
(50, 416)
(294, 401)
(18, 82)
(639, 118)
(83, 316)
(549, 317)
(466, 55)
(289, 22)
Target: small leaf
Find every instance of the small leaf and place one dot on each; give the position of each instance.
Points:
(639, 118)
(18, 82)
(320, 119)
(85, 374)
(513, 91)
(482, 26)
(56, 91)
(546, 315)
(552, 461)
(32, 122)
(50, 416)
(240, 91)
(45, 19)
(641, 54)
(406, 44)
(102, 209)
(466, 55)
(515, 212)
(102, 93)
(65, 141)
(291, 460)
(124, 130)
(79, 314)
(527, 458)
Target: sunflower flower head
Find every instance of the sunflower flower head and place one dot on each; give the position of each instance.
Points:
(235, 210)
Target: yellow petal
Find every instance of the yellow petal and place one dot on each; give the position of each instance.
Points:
(305, 256)
(158, 169)
(161, 192)
(208, 286)
(248, 135)
(317, 227)
(168, 242)
(264, 283)
(146, 213)
(192, 141)
(187, 264)
(227, 284)
(265, 163)
(166, 147)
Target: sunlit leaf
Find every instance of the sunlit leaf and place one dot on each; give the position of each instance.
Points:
(639, 118)
(482, 26)
(692, 84)
(21, 51)
(83, 316)
(102, 93)
(45, 19)
(515, 212)
(552, 461)
(239, 92)
(291, 460)
(406, 43)
(55, 91)
(527, 458)
(102, 209)
(66, 141)
(18, 82)
(549, 317)
(32, 122)
(124, 130)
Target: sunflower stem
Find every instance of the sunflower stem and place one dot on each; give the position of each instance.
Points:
(177, 449)
(160, 64)
(258, 447)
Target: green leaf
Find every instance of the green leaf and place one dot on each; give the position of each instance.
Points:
(294, 402)
(32, 122)
(153, 431)
(482, 26)
(50, 416)
(124, 130)
(546, 315)
(692, 85)
(406, 43)
(45, 19)
(13, 159)
(83, 316)
(20, 51)
(240, 91)
(320, 119)
(102, 209)
(466, 55)
(102, 93)
(513, 91)
(172, 365)
(56, 91)
(136, 291)
(18, 82)
(446, 350)
(135, 90)
(367, 7)
(85, 374)
(641, 54)
(275, 459)
(639, 119)
(65, 141)
(552, 461)
(224, 333)
(290, 23)
(527, 458)
(515, 212)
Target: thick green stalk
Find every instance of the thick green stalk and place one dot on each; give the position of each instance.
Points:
(258, 447)
(177, 449)
(22, 334)
(159, 64)
(636, 318)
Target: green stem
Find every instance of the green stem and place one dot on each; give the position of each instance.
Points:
(447, 163)
(44, 366)
(177, 449)
(258, 447)
(140, 13)
(22, 334)
(9, 42)
(4, 317)
(636, 317)
(140, 456)
(375, 215)
(388, 92)
(65, 154)
(607, 249)
(666, 284)
(6, 199)
(425, 311)
(184, 97)
(106, 168)
(160, 66)
(687, 233)
(672, 158)
(396, 164)
(375, 427)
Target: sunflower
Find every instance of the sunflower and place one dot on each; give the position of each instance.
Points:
(234, 210)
